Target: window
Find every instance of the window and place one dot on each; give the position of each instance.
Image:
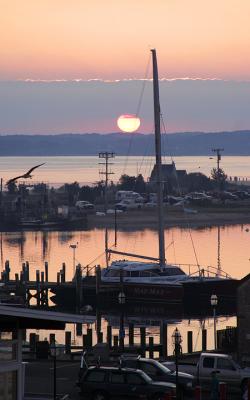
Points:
(130, 363)
(96, 376)
(117, 377)
(223, 363)
(8, 349)
(148, 368)
(208, 362)
(134, 379)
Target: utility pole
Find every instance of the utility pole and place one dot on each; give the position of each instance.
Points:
(106, 155)
(218, 156)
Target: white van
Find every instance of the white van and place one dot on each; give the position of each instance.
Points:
(128, 195)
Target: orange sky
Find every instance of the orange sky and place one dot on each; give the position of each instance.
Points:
(110, 39)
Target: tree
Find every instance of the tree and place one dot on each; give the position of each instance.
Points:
(140, 185)
(127, 182)
(197, 181)
(12, 187)
(72, 189)
(219, 176)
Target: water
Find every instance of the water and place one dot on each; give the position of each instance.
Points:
(37, 247)
(85, 170)
(54, 247)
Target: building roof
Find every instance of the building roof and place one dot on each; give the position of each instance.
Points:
(31, 318)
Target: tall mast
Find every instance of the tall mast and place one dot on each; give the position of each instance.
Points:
(159, 182)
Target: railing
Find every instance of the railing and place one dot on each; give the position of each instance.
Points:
(204, 271)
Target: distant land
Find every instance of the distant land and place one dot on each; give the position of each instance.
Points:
(178, 144)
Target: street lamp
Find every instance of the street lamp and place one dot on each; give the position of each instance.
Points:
(74, 247)
(176, 340)
(214, 302)
(53, 354)
(121, 300)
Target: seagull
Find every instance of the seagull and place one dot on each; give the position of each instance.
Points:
(25, 176)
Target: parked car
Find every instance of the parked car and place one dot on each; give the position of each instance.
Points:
(242, 194)
(104, 383)
(224, 195)
(198, 196)
(173, 199)
(129, 204)
(151, 204)
(84, 205)
(159, 372)
(128, 195)
(227, 370)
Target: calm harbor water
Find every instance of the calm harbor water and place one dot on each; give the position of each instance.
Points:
(59, 170)
(37, 247)
(229, 243)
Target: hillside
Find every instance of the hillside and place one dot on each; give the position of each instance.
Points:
(178, 144)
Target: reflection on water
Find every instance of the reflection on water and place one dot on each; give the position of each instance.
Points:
(231, 253)
(153, 327)
(38, 247)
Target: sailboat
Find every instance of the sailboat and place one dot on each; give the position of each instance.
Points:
(155, 279)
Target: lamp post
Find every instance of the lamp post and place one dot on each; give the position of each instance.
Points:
(53, 354)
(121, 300)
(74, 247)
(176, 340)
(214, 302)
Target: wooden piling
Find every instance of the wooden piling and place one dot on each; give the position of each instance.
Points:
(78, 329)
(164, 340)
(109, 336)
(204, 339)
(131, 334)
(38, 293)
(116, 342)
(27, 271)
(63, 276)
(151, 347)
(190, 342)
(98, 278)
(90, 337)
(46, 267)
(7, 271)
(78, 285)
(99, 337)
(52, 338)
(85, 341)
(32, 342)
(143, 340)
(67, 342)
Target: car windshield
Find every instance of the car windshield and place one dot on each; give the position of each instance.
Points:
(164, 369)
(145, 377)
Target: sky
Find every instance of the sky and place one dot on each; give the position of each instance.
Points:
(54, 40)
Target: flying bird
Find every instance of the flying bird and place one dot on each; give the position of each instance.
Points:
(25, 176)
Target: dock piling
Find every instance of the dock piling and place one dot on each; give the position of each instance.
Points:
(190, 342)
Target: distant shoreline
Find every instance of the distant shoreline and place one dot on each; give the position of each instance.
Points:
(143, 219)
(179, 144)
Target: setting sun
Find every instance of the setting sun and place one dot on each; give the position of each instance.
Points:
(128, 123)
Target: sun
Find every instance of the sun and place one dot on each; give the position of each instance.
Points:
(128, 123)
